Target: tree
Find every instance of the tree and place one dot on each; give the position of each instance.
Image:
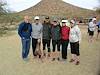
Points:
(2, 9)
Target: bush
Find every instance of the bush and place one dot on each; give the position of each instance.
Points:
(2, 32)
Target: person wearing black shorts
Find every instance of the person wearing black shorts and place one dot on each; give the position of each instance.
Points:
(91, 33)
(92, 27)
(75, 48)
(75, 38)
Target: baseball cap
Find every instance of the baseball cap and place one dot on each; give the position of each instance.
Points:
(36, 18)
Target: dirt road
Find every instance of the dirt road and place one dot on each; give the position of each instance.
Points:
(12, 64)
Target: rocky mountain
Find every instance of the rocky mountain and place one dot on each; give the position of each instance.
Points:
(57, 8)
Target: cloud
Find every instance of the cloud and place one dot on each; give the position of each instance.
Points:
(89, 4)
(17, 1)
(19, 5)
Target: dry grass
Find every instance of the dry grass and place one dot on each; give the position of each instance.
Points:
(12, 64)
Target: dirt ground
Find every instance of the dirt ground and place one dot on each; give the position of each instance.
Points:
(11, 62)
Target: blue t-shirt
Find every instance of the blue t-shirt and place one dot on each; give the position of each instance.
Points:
(98, 24)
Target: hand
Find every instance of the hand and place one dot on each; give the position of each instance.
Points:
(78, 42)
(39, 40)
(23, 38)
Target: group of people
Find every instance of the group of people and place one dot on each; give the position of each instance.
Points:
(92, 27)
(50, 33)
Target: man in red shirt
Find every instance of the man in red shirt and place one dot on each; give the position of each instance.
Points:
(65, 30)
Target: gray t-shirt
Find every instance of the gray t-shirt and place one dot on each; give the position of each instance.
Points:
(37, 31)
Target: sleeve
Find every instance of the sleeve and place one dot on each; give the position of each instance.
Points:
(79, 35)
(69, 31)
(41, 31)
(60, 30)
(31, 30)
(20, 30)
(98, 24)
(50, 30)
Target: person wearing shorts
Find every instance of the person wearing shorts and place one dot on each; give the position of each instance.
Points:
(75, 38)
(92, 27)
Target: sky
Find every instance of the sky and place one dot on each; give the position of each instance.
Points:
(19, 5)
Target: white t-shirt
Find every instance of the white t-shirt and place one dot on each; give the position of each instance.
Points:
(92, 26)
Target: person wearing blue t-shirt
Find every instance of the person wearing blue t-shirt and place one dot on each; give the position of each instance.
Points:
(98, 29)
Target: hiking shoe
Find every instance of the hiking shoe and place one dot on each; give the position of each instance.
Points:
(39, 56)
(26, 59)
(77, 63)
(44, 55)
(72, 60)
(48, 55)
(63, 60)
(58, 59)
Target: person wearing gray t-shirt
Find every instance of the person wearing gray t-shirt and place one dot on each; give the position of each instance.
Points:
(36, 36)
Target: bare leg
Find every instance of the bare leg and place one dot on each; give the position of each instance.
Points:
(58, 55)
(77, 61)
(49, 54)
(98, 35)
(73, 57)
(90, 39)
(53, 56)
(44, 53)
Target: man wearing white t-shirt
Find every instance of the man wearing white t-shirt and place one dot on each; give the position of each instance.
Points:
(92, 27)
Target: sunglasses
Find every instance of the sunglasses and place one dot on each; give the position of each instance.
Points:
(63, 22)
(37, 19)
(46, 18)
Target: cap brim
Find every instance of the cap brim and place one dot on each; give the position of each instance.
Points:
(46, 18)
(63, 22)
(36, 19)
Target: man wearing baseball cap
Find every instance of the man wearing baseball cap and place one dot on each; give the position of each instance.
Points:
(46, 38)
(36, 35)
